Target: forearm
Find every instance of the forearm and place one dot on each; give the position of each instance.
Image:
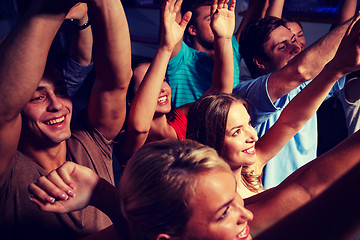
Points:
(112, 48)
(306, 65)
(112, 62)
(23, 57)
(313, 219)
(311, 61)
(256, 9)
(275, 8)
(223, 73)
(143, 107)
(346, 11)
(305, 104)
(81, 47)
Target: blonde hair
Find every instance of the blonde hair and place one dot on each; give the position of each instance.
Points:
(158, 183)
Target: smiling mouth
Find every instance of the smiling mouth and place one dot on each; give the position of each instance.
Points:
(244, 233)
(250, 150)
(55, 121)
(162, 99)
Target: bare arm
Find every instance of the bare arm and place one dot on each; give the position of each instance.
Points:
(81, 45)
(304, 184)
(222, 25)
(22, 66)
(346, 11)
(313, 178)
(256, 9)
(314, 221)
(275, 8)
(143, 107)
(306, 65)
(305, 104)
(112, 61)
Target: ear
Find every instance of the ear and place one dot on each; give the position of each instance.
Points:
(259, 63)
(192, 30)
(163, 236)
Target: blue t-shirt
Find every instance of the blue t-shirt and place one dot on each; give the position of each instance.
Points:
(189, 73)
(301, 149)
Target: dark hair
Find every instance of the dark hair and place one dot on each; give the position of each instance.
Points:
(136, 61)
(207, 119)
(206, 124)
(290, 20)
(192, 6)
(252, 39)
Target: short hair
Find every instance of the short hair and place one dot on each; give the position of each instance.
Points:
(158, 183)
(252, 39)
(291, 20)
(207, 119)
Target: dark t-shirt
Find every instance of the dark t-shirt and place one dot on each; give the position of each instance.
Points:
(22, 219)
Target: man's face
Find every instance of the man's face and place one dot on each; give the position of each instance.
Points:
(280, 49)
(204, 34)
(47, 116)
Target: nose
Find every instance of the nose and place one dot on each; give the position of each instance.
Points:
(245, 215)
(296, 47)
(252, 135)
(54, 103)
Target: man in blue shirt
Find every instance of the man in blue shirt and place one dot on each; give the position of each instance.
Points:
(191, 65)
(281, 70)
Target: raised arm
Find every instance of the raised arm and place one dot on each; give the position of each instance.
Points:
(222, 24)
(305, 104)
(305, 65)
(143, 107)
(112, 61)
(23, 55)
(275, 8)
(304, 184)
(81, 45)
(312, 179)
(313, 221)
(78, 62)
(346, 11)
(256, 9)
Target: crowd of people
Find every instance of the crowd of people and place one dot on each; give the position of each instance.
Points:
(101, 144)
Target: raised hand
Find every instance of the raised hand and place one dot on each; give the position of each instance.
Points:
(172, 32)
(65, 189)
(347, 57)
(78, 11)
(223, 18)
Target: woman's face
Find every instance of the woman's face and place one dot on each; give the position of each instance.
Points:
(240, 137)
(218, 211)
(299, 34)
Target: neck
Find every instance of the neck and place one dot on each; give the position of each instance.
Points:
(242, 189)
(49, 158)
(160, 129)
(201, 48)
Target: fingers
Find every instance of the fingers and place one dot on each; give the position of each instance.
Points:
(232, 5)
(54, 186)
(46, 189)
(185, 20)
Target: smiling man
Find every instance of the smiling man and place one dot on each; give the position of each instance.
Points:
(281, 70)
(37, 132)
